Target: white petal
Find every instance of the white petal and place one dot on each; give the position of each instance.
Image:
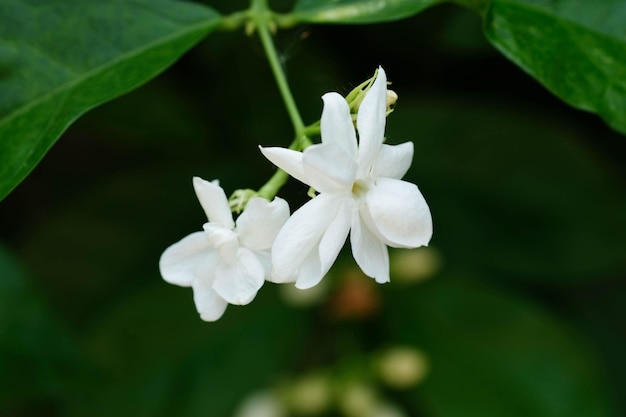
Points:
(371, 121)
(209, 304)
(260, 222)
(336, 124)
(369, 252)
(335, 235)
(399, 213)
(288, 160)
(300, 235)
(265, 257)
(238, 283)
(329, 168)
(214, 202)
(222, 239)
(310, 272)
(180, 263)
(393, 161)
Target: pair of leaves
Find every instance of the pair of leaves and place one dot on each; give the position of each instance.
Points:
(575, 48)
(83, 54)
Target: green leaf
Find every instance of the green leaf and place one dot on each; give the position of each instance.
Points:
(517, 192)
(60, 58)
(357, 11)
(36, 352)
(156, 358)
(494, 354)
(575, 48)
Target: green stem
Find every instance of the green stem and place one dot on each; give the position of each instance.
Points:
(271, 187)
(234, 20)
(262, 16)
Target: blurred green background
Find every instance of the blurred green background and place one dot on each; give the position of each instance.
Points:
(517, 306)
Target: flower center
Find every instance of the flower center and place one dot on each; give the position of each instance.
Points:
(359, 188)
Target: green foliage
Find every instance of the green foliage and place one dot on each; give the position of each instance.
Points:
(61, 58)
(526, 180)
(528, 205)
(494, 354)
(195, 369)
(357, 11)
(576, 48)
(36, 353)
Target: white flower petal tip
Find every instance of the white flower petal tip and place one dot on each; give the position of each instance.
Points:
(288, 160)
(214, 202)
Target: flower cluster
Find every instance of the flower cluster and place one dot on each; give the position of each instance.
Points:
(361, 194)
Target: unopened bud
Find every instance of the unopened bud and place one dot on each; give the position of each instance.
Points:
(356, 96)
(386, 410)
(358, 400)
(392, 97)
(239, 199)
(310, 395)
(261, 404)
(402, 367)
(414, 265)
(304, 298)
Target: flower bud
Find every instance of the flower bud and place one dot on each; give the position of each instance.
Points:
(358, 400)
(310, 395)
(402, 367)
(392, 98)
(356, 96)
(304, 298)
(239, 199)
(261, 404)
(385, 409)
(414, 265)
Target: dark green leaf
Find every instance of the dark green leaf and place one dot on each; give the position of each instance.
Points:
(60, 58)
(514, 191)
(494, 354)
(35, 350)
(157, 358)
(358, 11)
(576, 48)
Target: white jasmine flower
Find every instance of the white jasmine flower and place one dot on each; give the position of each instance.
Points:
(228, 261)
(361, 193)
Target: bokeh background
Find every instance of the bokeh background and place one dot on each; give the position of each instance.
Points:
(516, 309)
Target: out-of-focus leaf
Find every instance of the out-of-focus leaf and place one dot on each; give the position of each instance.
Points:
(576, 48)
(493, 354)
(60, 58)
(157, 358)
(35, 350)
(514, 191)
(102, 241)
(357, 11)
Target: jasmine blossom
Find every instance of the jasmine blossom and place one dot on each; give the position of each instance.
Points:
(228, 261)
(361, 194)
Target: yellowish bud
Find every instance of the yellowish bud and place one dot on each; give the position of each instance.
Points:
(358, 400)
(310, 395)
(414, 265)
(402, 367)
